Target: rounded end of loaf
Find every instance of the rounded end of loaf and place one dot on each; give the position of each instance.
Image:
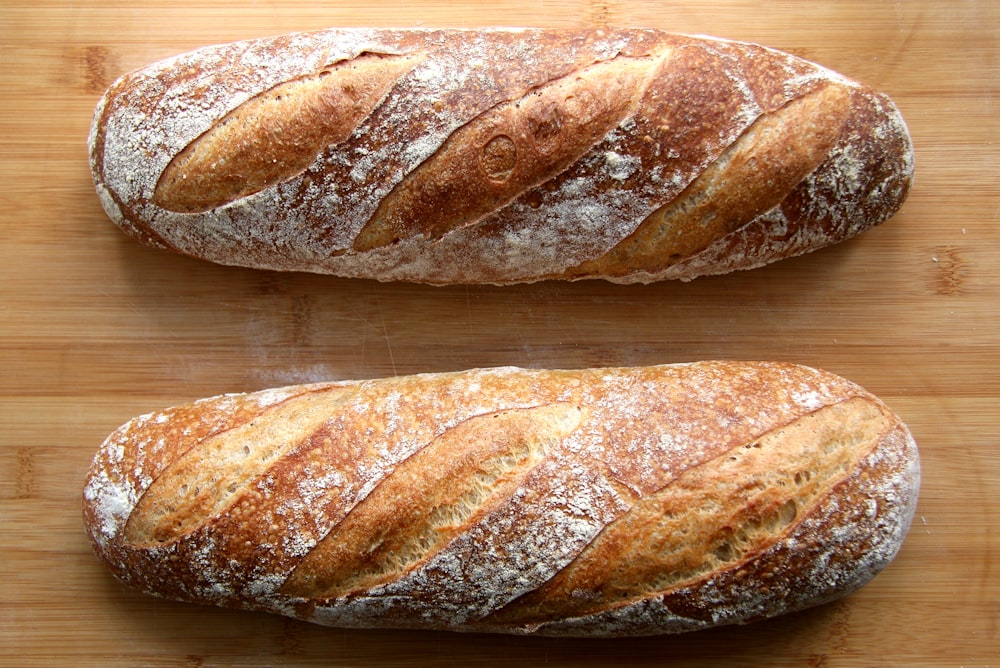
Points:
(95, 150)
(113, 159)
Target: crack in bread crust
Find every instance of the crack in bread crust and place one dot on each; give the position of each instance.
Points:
(210, 477)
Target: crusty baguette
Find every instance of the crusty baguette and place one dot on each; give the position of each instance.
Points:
(496, 155)
(620, 501)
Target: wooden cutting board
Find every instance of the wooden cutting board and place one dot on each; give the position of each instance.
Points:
(95, 329)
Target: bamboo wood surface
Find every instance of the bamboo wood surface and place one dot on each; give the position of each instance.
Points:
(95, 329)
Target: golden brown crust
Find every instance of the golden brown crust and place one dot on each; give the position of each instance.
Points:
(514, 500)
(203, 481)
(493, 156)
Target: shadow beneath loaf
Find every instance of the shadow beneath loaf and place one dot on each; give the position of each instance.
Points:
(234, 329)
(205, 635)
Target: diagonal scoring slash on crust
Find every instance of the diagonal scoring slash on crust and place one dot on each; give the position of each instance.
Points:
(679, 534)
(508, 149)
(767, 161)
(427, 500)
(208, 479)
(304, 116)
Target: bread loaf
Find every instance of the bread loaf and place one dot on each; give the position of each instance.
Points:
(604, 502)
(496, 156)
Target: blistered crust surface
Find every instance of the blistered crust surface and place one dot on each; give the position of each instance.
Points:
(375, 203)
(585, 449)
